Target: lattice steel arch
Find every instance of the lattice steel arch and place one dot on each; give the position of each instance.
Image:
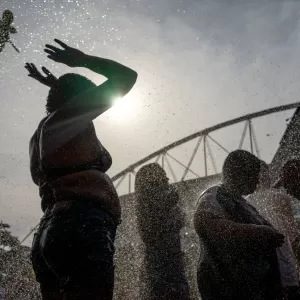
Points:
(204, 138)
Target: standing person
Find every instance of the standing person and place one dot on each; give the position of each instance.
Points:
(275, 206)
(238, 258)
(289, 181)
(72, 252)
(290, 178)
(160, 220)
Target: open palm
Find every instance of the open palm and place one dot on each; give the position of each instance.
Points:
(47, 79)
(69, 56)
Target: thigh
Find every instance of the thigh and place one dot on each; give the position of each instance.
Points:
(42, 272)
(50, 291)
(49, 285)
(102, 289)
(80, 254)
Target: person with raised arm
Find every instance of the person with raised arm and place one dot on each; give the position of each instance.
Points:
(73, 249)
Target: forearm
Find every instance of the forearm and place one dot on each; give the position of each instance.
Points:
(230, 232)
(106, 67)
(246, 237)
(233, 231)
(238, 232)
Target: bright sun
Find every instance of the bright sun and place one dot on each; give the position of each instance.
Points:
(123, 109)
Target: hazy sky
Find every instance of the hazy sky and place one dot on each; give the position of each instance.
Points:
(199, 63)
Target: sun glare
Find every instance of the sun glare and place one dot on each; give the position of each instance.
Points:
(123, 109)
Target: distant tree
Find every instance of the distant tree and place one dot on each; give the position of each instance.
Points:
(16, 276)
(6, 29)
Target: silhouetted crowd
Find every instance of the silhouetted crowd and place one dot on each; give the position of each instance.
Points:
(246, 227)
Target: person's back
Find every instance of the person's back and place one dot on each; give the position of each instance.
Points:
(160, 220)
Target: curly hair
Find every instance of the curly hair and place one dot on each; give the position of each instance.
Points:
(149, 177)
(65, 88)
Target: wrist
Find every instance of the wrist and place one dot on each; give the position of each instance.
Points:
(83, 60)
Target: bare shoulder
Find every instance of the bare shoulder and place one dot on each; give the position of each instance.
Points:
(207, 203)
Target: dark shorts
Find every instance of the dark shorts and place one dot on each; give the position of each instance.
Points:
(73, 253)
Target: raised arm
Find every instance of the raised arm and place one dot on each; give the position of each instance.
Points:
(73, 117)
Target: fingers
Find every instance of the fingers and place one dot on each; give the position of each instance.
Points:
(53, 48)
(36, 74)
(50, 52)
(65, 46)
(28, 66)
(55, 53)
(54, 58)
(46, 71)
(32, 69)
(50, 76)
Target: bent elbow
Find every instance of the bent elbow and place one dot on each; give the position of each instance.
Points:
(125, 82)
(130, 78)
(134, 76)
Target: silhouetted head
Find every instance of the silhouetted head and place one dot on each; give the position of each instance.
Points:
(65, 88)
(7, 17)
(150, 176)
(290, 177)
(241, 172)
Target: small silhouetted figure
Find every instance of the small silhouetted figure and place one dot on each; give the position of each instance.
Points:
(289, 182)
(275, 206)
(160, 220)
(73, 250)
(238, 257)
(6, 29)
(289, 178)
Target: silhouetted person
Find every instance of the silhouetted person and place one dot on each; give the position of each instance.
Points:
(160, 220)
(275, 206)
(290, 178)
(238, 258)
(289, 181)
(73, 250)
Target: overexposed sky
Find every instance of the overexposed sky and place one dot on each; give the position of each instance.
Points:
(199, 63)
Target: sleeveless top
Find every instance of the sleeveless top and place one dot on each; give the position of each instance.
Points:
(85, 180)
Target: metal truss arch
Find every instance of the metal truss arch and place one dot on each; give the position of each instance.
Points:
(205, 140)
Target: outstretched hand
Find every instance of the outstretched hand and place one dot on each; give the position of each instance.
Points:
(34, 73)
(69, 56)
